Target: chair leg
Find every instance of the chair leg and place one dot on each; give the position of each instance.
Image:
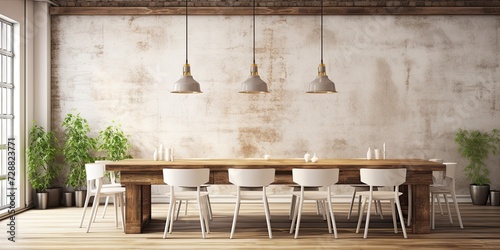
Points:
(210, 215)
(454, 198)
(178, 204)
(87, 198)
(116, 210)
(94, 211)
(122, 204)
(105, 207)
(351, 204)
(393, 212)
(200, 211)
(360, 215)
(367, 223)
(439, 203)
(379, 204)
(299, 216)
(235, 217)
(292, 207)
(332, 216)
(448, 207)
(171, 208)
(328, 218)
(359, 207)
(401, 218)
(172, 218)
(294, 216)
(97, 209)
(206, 213)
(433, 218)
(268, 214)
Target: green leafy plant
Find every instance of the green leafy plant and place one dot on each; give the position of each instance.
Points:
(475, 146)
(114, 143)
(41, 154)
(77, 149)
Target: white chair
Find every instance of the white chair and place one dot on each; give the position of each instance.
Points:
(251, 178)
(114, 183)
(315, 178)
(446, 188)
(190, 178)
(95, 173)
(382, 178)
(180, 202)
(360, 188)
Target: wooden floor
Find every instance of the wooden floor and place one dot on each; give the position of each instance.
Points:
(58, 229)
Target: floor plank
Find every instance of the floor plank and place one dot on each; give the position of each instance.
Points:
(58, 229)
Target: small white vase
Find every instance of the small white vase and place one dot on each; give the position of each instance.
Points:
(307, 157)
(314, 159)
(369, 154)
(155, 155)
(160, 153)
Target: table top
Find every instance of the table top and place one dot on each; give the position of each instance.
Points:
(279, 164)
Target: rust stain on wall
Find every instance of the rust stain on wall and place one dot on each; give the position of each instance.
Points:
(251, 139)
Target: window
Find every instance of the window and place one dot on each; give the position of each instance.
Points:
(6, 104)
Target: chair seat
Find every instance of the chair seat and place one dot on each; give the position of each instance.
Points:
(380, 195)
(189, 195)
(112, 185)
(313, 195)
(440, 189)
(110, 190)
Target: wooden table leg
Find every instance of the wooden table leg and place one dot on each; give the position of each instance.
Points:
(146, 205)
(421, 209)
(133, 209)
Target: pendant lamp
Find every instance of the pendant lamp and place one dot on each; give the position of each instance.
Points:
(321, 85)
(187, 84)
(254, 85)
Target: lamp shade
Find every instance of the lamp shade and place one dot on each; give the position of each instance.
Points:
(321, 85)
(187, 84)
(254, 85)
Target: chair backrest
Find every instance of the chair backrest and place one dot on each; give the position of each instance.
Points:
(251, 177)
(112, 176)
(383, 177)
(315, 177)
(94, 171)
(450, 169)
(186, 177)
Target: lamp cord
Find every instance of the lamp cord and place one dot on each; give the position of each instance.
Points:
(321, 31)
(253, 31)
(186, 31)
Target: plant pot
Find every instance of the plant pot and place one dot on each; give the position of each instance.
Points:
(479, 194)
(41, 200)
(68, 199)
(54, 196)
(495, 197)
(80, 198)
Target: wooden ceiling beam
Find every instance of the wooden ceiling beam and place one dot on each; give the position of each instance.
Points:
(275, 10)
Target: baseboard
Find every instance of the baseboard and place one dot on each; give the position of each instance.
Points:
(217, 198)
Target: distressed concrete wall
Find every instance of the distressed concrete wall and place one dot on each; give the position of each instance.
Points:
(408, 81)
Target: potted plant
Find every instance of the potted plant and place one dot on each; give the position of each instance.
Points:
(41, 153)
(77, 152)
(113, 142)
(475, 146)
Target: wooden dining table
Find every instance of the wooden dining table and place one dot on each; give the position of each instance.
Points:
(139, 174)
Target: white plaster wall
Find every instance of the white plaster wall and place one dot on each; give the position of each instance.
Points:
(408, 81)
